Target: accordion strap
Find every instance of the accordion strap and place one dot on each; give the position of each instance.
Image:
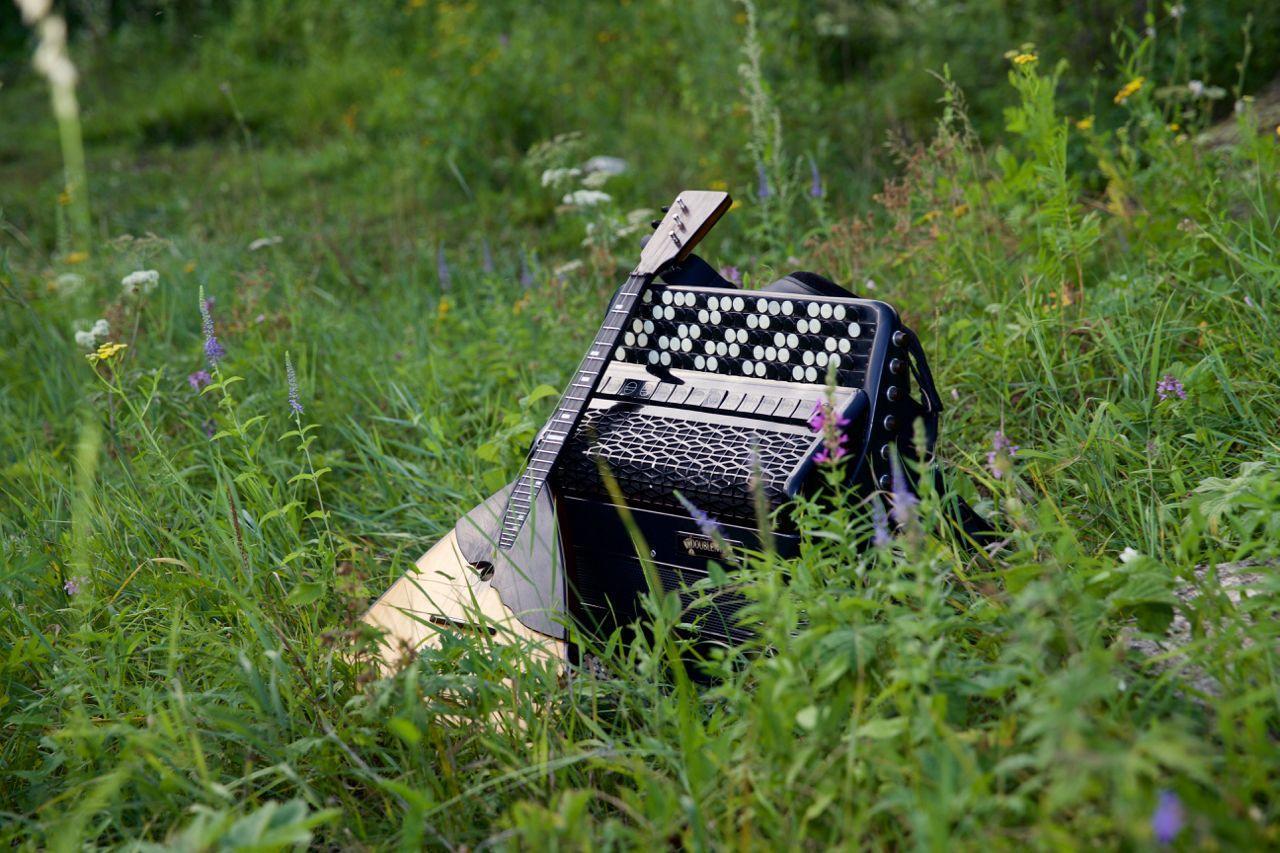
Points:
(976, 531)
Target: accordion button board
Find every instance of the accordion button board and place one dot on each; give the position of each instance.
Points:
(709, 393)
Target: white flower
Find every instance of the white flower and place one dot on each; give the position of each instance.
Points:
(1196, 88)
(1177, 11)
(101, 329)
(595, 180)
(608, 165)
(69, 283)
(554, 177)
(85, 339)
(567, 269)
(264, 242)
(586, 198)
(141, 281)
(1128, 555)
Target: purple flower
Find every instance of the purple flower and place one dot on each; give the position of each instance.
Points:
(213, 350)
(903, 499)
(442, 269)
(72, 586)
(762, 182)
(1000, 456)
(708, 525)
(1249, 302)
(879, 524)
(486, 257)
(292, 378)
(824, 421)
(526, 274)
(1168, 818)
(208, 428)
(1169, 386)
(815, 180)
(199, 379)
(732, 274)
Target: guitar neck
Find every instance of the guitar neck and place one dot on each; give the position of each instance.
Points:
(543, 457)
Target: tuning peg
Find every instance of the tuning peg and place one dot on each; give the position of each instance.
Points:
(665, 208)
(654, 223)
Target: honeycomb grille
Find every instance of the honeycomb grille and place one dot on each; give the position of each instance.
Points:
(651, 456)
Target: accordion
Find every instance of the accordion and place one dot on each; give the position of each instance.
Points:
(709, 397)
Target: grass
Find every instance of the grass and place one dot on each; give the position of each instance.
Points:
(207, 684)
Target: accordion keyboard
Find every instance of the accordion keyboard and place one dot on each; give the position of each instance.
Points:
(703, 378)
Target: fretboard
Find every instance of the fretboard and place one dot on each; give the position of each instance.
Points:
(567, 414)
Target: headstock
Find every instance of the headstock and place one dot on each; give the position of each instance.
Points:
(687, 221)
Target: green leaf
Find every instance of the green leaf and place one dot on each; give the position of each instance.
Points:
(405, 730)
(537, 394)
(883, 729)
(305, 593)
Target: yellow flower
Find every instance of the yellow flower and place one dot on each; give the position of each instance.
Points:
(1025, 59)
(1173, 127)
(190, 266)
(1129, 89)
(1085, 123)
(960, 210)
(77, 257)
(442, 310)
(1278, 130)
(64, 198)
(106, 352)
(720, 186)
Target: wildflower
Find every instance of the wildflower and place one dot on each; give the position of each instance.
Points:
(595, 180)
(1177, 11)
(1128, 555)
(1025, 59)
(77, 257)
(731, 274)
(606, 164)
(1169, 386)
(1085, 123)
(1173, 127)
(101, 328)
(264, 242)
(1129, 89)
(1000, 456)
(199, 379)
(442, 269)
(208, 428)
(213, 350)
(879, 524)
(762, 182)
(85, 339)
(72, 586)
(526, 274)
(106, 352)
(553, 177)
(815, 180)
(1195, 88)
(824, 421)
(442, 310)
(291, 378)
(1168, 818)
(1249, 301)
(586, 198)
(486, 257)
(69, 283)
(140, 281)
(904, 500)
(708, 525)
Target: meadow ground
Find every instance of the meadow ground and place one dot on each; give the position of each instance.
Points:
(387, 208)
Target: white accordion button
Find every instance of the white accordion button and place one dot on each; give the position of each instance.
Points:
(747, 367)
(762, 305)
(793, 340)
(797, 373)
(629, 339)
(695, 332)
(687, 344)
(839, 312)
(665, 358)
(825, 310)
(807, 357)
(758, 352)
(787, 308)
(830, 344)
(739, 303)
(699, 361)
(760, 369)
(784, 355)
(666, 297)
(653, 356)
(703, 315)
(771, 354)
(764, 321)
(752, 321)
(854, 330)
(811, 373)
(712, 364)
(620, 354)
(845, 346)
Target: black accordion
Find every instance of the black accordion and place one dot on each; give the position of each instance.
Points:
(708, 396)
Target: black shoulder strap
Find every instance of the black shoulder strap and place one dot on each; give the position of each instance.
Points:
(976, 530)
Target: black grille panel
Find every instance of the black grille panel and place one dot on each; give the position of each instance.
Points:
(651, 456)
